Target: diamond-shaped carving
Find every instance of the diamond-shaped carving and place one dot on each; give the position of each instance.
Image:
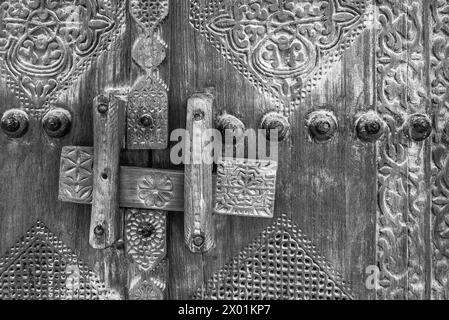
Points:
(281, 264)
(46, 45)
(146, 237)
(282, 46)
(40, 267)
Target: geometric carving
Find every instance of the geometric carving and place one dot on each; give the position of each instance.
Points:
(439, 73)
(152, 285)
(246, 188)
(46, 45)
(283, 47)
(402, 187)
(281, 264)
(147, 126)
(146, 237)
(40, 267)
(76, 175)
(156, 190)
(148, 98)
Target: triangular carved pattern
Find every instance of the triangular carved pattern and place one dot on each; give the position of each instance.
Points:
(41, 267)
(281, 264)
(283, 47)
(45, 48)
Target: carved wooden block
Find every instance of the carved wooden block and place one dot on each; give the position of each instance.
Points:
(76, 175)
(147, 118)
(281, 264)
(246, 188)
(41, 267)
(145, 235)
(109, 123)
(151, 285)
(199, 226)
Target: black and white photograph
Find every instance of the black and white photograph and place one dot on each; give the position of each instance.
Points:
(224, 155)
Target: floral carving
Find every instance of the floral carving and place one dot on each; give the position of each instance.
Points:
(246, 188)
(281, 46)
(439, 72)
(45, 44)
(156, 190)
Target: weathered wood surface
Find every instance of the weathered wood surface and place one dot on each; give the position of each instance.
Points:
(199, 226)
(109, 135)
(360, 204)
(29, 166)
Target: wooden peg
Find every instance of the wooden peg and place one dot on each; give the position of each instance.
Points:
(199, 227)
(109, 123)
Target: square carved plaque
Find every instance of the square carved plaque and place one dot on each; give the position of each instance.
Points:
(246, 188)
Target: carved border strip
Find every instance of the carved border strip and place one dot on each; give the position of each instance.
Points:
(147, 120)
(439, 36)
(402, 209)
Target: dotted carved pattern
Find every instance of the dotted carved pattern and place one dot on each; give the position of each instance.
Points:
(45, 45)
(401, 166)
(146, 237)
(439, 72)
(283, 47)
(149, 94)
(40, 267)
(246, 188)
(281, 264)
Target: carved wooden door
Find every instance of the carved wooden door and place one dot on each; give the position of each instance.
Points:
(92, 205)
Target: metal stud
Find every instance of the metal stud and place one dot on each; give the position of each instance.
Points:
(276, 121)
(228, 124)
(322, 126)
(370, 127)
(57, 123)
(15, 123)
(418, 127)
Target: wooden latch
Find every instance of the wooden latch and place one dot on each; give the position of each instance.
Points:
(88, 175)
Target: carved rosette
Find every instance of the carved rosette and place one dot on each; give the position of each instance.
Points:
(146, 237)
(246, 188)
(147, 121)
(283, 47)
(439, 72)
(46, 45)
(281, 264)
(402, 207)
(41, 267)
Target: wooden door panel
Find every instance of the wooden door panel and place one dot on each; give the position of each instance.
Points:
(361, 190)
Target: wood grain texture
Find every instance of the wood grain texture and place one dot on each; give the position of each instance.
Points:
(329, 190)
(199, 226)
(109, 121)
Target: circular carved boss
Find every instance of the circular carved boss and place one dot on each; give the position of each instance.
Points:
(57, 123)
(15, 123)
(322, 125)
